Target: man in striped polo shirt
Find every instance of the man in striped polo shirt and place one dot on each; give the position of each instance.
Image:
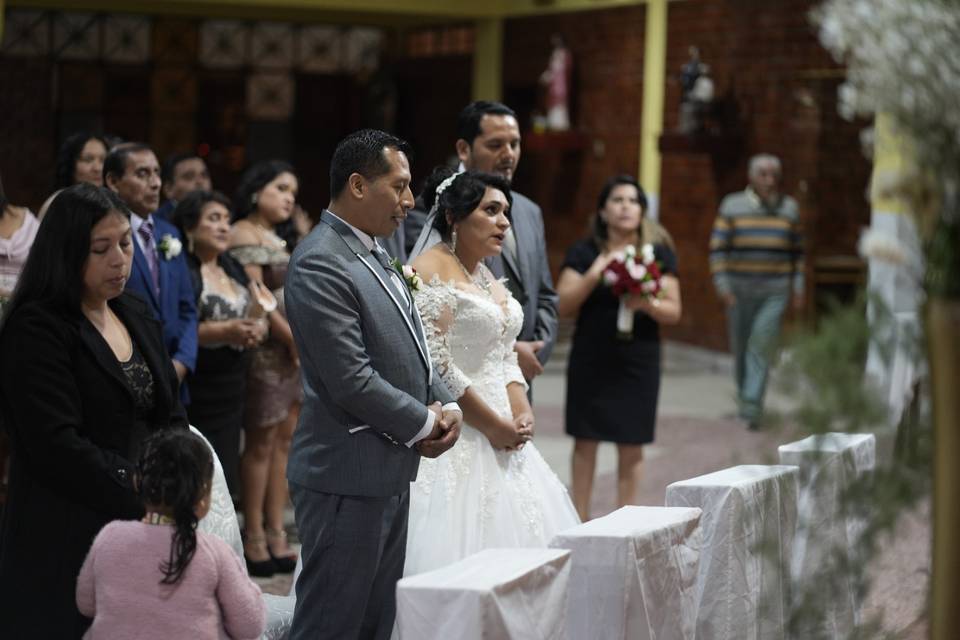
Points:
(756, 257)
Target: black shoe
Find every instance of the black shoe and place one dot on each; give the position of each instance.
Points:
(261, 568)
(286, 563)
(753, 425)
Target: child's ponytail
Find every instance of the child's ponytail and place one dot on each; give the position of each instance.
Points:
(175, 471)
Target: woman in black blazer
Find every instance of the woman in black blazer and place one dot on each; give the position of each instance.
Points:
(84, 378)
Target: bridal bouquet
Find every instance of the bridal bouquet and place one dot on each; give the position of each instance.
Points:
(630, 273)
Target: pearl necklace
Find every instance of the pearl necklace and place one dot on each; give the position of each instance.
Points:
(479, 280)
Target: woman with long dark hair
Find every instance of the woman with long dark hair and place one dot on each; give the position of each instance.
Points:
(84, 379)
(613, 381)
(160, 577)
(262, 239)
(79, 159)
(226, 329)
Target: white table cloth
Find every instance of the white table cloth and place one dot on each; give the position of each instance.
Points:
(520, 594)
(829, 465)
(634, 574)
(748, 522)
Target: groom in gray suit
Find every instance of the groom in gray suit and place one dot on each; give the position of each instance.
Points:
(373, 402)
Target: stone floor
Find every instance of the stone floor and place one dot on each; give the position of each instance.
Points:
(694, 436)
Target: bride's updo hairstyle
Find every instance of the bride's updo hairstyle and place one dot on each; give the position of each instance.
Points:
(461, 197)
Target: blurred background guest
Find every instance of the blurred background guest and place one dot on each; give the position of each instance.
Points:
(264, 204)
(225, 330)
(18, 227)
(80, 159)
(84, 380)
(613, 383)
(181, 174)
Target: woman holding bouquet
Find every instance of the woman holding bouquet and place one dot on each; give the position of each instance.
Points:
(613, 376)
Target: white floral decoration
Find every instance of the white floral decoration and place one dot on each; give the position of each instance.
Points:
(169, 246)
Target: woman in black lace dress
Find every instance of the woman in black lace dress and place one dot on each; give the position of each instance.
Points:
(227, 328)
(84, 378)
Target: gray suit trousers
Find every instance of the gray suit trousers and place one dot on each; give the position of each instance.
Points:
(347, 588)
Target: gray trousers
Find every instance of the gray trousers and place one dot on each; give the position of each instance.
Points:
(754, 326)
(353, 552)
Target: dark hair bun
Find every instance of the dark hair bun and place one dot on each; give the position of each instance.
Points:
(438, 175)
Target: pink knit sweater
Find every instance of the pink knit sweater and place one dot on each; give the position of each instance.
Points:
(119, 587)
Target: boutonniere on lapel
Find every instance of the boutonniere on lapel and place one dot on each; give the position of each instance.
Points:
(409, 275)
(169, 246)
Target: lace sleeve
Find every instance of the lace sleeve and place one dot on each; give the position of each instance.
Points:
(437, 305)
(511, 366)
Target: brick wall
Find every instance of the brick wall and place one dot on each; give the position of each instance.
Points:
(778, 91)
(607, 49)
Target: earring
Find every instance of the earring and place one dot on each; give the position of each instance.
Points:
(253, 199)
(453, 240)
(189, 243)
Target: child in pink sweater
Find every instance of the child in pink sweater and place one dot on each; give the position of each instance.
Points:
(161, 578)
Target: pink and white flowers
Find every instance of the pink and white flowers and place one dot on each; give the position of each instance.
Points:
(409, 275)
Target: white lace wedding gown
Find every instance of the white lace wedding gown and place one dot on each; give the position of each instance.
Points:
(475, 497)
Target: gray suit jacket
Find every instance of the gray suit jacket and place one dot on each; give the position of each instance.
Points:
(366, 370)
(528, 275)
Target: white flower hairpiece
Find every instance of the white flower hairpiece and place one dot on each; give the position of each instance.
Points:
(443, 187)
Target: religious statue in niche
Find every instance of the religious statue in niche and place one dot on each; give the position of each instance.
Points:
(696, 94)
(556, 78)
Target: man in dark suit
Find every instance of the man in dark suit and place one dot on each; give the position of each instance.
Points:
(181, 173)
(373, 403)
(488, 139)
(160, 274)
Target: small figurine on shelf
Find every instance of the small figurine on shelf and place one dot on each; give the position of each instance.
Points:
(696, 93)
(557, 80)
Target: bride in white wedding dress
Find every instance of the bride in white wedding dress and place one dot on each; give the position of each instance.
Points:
(493, 488)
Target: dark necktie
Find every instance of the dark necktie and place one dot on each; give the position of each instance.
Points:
(150, 253)
(392, 276)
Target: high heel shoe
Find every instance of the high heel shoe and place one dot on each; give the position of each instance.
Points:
(259, 568)
(284, 563)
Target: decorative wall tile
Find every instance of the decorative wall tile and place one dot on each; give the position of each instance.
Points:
(171, 135)
(270, 96)
(271, 45)
(126, 39)
(362, 49)
(224, 44)
(26, 33)
(81, 87)
(320, 49)
(174, 90)
(76, 36)
(175, 41)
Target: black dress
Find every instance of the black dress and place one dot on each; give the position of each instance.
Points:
(218, 384)
(612, 384)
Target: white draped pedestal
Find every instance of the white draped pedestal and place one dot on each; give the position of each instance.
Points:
(519, 594)
(748, 522)
(634, 574)
(827, 530)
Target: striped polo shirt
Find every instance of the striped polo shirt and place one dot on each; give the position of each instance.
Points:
(757, 246)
